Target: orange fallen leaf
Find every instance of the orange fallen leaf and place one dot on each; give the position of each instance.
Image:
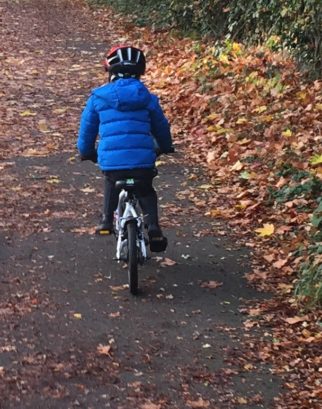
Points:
(198, 404)
(104, 349)
(167, 262)
(295, 320)
(280, 263)
(150, 405)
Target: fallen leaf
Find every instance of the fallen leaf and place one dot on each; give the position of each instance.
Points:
(280, 263)
(87, 190)
(54, 180)
(198, 404)
(83, 230)
(150, 405)
(260, 109)
(160, 163)
(211, 284)
(114, 314)
(237, 166)
(118, 287)
(59, 111)
(287, 133)
(295, 320)
(27, 113)
(205, 187)
(254, 312)
(266, 230)
(42, 126)
(104, 350)
(167, 262)
(242, 401)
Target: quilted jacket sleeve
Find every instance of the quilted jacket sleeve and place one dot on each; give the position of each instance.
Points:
(88, 129)
(160, 126)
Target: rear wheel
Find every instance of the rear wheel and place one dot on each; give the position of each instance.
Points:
(133, 257)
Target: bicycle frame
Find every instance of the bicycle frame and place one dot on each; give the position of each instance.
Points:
(129, 214)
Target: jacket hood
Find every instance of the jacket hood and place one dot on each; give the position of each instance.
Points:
(124, 94)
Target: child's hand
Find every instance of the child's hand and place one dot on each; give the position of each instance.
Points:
(92, 157)
(159, 152)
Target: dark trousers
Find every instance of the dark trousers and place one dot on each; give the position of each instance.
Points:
(145, 193)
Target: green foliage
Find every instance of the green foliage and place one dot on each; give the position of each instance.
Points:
(291, 24)
(295, 24)
(309, 285)
(301, 184)
(317, 222)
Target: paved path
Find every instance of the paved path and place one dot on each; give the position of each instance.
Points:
(71, 334)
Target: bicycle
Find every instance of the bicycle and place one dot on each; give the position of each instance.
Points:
(131, 244)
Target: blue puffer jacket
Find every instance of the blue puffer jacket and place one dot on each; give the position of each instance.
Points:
(127, 117)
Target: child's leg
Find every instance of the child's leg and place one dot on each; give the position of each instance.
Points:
(109, 205)
(111, 195)
(149, 204)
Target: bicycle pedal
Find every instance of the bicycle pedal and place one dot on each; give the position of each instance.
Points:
(122, 258)
(105, 232)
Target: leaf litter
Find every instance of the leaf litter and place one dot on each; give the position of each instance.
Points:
(233, 131)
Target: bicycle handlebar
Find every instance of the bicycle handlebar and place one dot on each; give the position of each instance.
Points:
(93, 157)
(159, 152)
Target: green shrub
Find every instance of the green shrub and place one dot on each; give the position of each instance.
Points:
(294, 24)
(309, 285)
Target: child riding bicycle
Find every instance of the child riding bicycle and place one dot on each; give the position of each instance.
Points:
(127, 118)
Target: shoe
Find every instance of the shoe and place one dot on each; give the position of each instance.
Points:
(157, 241)
(105, 228)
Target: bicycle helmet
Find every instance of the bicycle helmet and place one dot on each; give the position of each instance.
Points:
(125, 60)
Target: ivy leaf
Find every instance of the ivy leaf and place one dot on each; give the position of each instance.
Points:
(316, 159)
(245, 175)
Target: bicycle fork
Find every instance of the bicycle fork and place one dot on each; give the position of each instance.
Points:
(129, 216)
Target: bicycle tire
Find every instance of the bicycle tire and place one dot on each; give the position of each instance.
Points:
(132, 257)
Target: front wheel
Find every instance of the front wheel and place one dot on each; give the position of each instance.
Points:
(133, 257)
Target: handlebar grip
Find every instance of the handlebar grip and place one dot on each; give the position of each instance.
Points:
(92, 157)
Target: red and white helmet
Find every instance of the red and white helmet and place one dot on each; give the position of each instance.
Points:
(125, 59)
